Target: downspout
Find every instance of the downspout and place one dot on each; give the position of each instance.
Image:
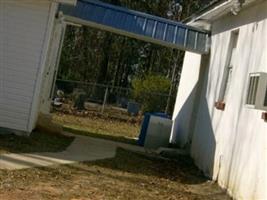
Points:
(237, 6)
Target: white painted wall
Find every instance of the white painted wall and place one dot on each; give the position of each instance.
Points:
(231, 146)
(185, 99)
(25, 27)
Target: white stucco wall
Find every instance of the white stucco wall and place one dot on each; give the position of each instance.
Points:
(231, 146)
(185, 99)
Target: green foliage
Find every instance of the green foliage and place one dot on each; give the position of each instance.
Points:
(148, 92)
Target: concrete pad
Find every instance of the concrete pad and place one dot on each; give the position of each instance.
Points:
(82, 149)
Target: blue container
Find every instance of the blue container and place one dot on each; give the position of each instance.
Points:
(133, 108)
(145, 124)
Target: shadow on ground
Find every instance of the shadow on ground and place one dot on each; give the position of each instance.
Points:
(182, 169)
(36, 142)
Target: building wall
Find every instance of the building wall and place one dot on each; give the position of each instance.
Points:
(185, 99)
(24, 33)
(52, 64)
(231, 145)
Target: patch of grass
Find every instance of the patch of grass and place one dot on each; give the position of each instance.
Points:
(100, 128)
(100, 136)
(36, 142)
(127, 176)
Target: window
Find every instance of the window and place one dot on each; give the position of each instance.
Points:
(257, 91)
(230, 64)
(253, 89)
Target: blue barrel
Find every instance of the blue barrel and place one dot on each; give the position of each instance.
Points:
(145, 124)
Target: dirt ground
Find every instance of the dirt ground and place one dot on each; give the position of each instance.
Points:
(128, 176)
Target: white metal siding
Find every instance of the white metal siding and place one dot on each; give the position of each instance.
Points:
(23, 26)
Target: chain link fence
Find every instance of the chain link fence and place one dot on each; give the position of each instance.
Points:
(105, 98)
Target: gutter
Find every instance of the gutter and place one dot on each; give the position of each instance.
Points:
(206, 9)
(70, 2)
(205, 17)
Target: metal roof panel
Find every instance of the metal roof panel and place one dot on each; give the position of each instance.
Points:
(137, 24)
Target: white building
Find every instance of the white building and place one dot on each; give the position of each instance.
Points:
(28, 29)
(221, 101)
(227, 141)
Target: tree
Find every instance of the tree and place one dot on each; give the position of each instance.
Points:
(149, 92)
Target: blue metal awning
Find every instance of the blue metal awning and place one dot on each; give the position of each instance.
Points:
(137, 25)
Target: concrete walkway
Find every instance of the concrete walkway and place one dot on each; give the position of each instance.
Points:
(82, 149)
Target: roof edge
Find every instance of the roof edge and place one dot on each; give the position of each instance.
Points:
(70, 2)
(207, 8)
(205, 17)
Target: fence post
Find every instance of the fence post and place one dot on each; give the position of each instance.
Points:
(105, 100)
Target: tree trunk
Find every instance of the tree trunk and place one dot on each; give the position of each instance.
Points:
(119, 64)
(105, 60)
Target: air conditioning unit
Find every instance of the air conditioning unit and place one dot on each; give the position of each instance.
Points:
(257, 91)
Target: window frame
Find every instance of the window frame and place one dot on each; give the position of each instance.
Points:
(229, 66)
(229, 69)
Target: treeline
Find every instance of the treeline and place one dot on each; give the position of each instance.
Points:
(100, 57)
